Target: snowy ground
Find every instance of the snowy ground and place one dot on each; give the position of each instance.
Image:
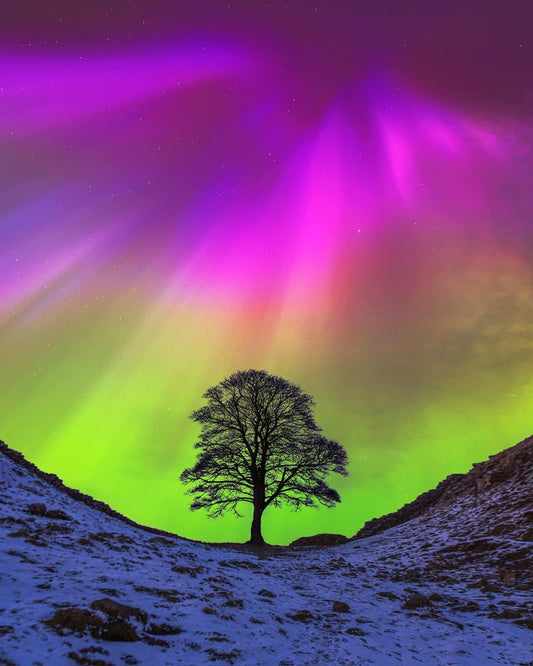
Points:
(192, 603)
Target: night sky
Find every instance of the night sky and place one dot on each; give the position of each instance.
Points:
(338, 192)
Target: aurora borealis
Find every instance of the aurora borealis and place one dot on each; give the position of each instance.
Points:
(337, 192)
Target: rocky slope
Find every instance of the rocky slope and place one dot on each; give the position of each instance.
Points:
(508, 475)
(487, 514)
(80, 584)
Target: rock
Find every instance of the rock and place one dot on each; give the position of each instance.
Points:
(57, 514)
(320, 540)
(84, 660)
(483, 482)
(37, 509)
(266, 593)
(77, 620)
(414, 601)
(387, 594)
(511, 613)
(80, 621)
(163, 630)
(500, 528)
(220, 657)
(340, 607)
(301, 616)
(159, 642)
(509, 578)
(338, 563)
(119, 630)
(468, 607)
(409, 575)
(240, 564)
(188, 571)
(355, 631)
(234, 603)
(115, 609)
(53, 528)
(526, 622)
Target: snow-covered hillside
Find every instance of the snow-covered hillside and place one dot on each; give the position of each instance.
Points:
(81, 586)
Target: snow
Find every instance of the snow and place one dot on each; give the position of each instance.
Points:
(231, 605)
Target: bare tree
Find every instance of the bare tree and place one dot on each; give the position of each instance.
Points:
(260, 444)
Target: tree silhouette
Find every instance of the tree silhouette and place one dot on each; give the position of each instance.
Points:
(260, 444)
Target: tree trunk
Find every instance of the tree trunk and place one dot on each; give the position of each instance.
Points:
(258, 476)
(256, 538)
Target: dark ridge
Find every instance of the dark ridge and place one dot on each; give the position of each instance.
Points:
(515, 463)
(56, 482)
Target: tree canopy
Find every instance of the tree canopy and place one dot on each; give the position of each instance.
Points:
(260, 444)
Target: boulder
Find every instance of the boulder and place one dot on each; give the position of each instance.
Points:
(414, 601)
(340, 607)
(320, 540)
(57, 514)
(81, 621)
(77, 620)
(301, 616)
(37, 509)
(114, 609)
(119, 630)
